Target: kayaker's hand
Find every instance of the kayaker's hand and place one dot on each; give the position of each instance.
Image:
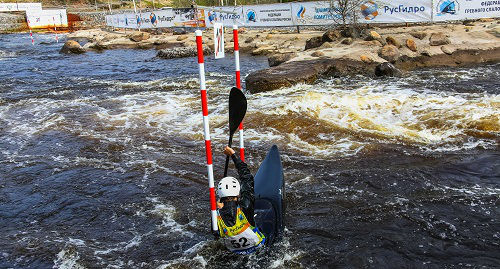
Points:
(228, 151)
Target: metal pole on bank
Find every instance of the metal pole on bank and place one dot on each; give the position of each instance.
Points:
(238, 84)
(206, 129)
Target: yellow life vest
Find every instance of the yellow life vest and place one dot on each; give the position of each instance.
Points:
(241, 238)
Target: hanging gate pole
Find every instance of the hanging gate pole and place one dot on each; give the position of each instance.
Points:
(206, 129)
(238, 84)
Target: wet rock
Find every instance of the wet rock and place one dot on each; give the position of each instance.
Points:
(366, 59)
(350, 32)
(279, 58)
(71, 46)
(447, 49)
(426, 52)
(347, 41)
(387, 69)
(410, 43)
(372, 35)
(98, 46)
(314, 42)
(139, 36)
(495, 31)
(418, 34)
(179, 31)
(331, 35)
(392, 41)
(249, 40)
(317, 54)
(308, 71)
(327, 45)
(181, 37)
(263, 50)
(181, 52)
(389, 53)
(438, 39)
(486, 19)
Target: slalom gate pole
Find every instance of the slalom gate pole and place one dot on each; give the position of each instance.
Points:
(55, 29)
(206, 129)
(31, 34)
(238, 84)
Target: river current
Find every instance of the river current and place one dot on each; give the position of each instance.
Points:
(102, 163)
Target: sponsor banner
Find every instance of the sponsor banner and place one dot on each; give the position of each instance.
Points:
(184, 17)
(218, 40)
(370, 11)
(268, 15)
(314, 13)
(47, 18)
(20, 6)
(446, 10)
(189, 17)
(227, 19)
(395, 11)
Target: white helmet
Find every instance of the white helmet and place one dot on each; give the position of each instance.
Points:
(228, 186)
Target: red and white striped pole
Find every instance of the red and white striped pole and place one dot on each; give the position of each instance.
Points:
(55, 29)
(238, 84)
(206, 129)
(31, 34)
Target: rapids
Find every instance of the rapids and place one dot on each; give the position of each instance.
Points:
(102, 163)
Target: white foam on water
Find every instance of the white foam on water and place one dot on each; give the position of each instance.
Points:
(67, 259)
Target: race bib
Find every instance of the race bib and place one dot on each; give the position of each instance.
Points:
(244, 240)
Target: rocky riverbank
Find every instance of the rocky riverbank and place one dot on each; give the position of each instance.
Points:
(303, 58)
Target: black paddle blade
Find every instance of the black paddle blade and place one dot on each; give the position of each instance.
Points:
(237, 109)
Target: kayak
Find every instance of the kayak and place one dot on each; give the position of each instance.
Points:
(269, 187)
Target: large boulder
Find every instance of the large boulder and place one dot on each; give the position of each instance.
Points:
(387, 69)
(307, 71)
(139, 36)
(331, 35)
(372, 35)
(347, 41)
(410, 43)
(71, 46)
(314, 42)
(350, 32)
(279, 58)
(418, 34)
(393, 41)
(389, 53)
(181, 52)
(438, 39)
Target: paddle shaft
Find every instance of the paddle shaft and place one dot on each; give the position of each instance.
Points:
(227, 158)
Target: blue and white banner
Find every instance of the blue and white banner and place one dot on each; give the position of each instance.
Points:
(268, 15)
(447, 10)
(312, 13)
(217, 15)
(20, 6)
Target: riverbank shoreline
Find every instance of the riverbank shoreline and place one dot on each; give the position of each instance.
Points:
(304, 57)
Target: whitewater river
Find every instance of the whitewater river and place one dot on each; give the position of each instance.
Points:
(102, 163)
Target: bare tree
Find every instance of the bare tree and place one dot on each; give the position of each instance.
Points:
(346, 12)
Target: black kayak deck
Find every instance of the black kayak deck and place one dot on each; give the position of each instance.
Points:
(269, 196)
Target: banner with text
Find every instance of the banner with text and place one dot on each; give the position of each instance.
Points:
(235, 17)
(447, 10)
(47, 18)
(268, 15)
(19, 6)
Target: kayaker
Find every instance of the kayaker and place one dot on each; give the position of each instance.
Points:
(235, 210)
